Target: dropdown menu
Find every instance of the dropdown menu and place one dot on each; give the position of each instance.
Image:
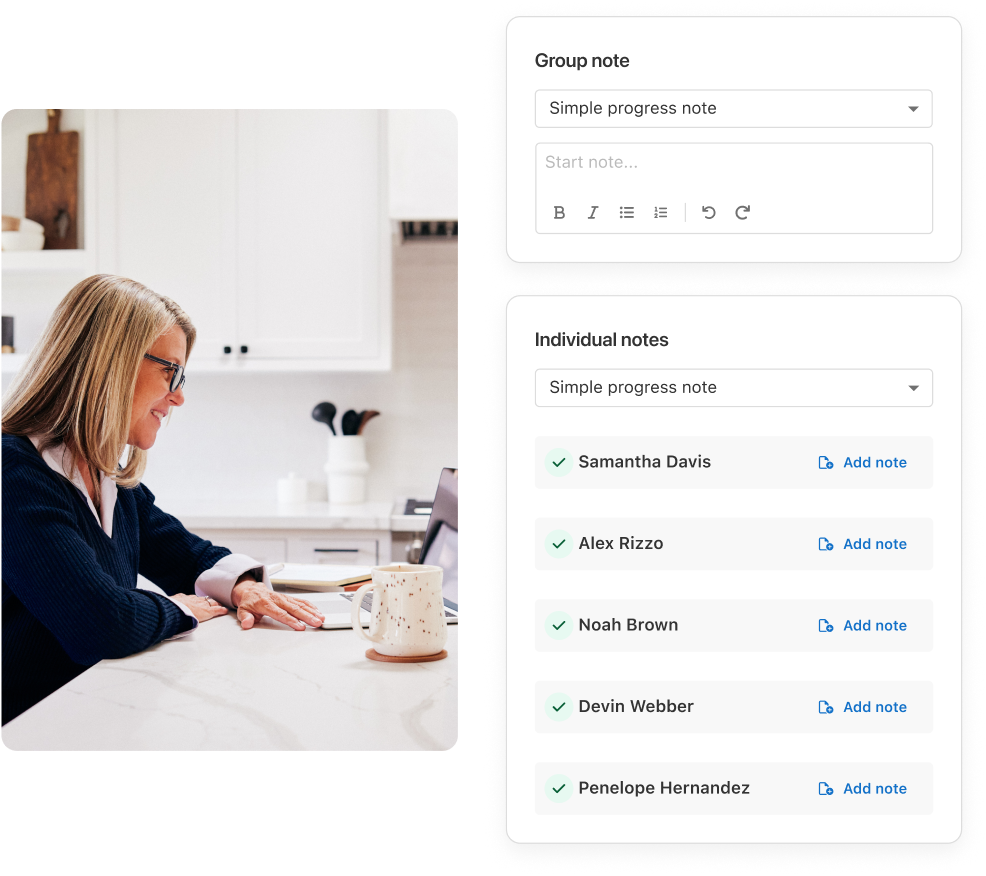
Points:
(633, 108)
(734, 387)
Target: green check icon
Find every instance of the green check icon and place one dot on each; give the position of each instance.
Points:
(559, 544)
(558, 463)
(558, 707)
(559, 625)
(558, 788)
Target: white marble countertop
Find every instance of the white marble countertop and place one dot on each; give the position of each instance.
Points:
(307, 515)
(401, 522)
(224, 688)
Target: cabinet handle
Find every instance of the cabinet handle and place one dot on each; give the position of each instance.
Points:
(243, 348)
(227, 350)
(337, 550)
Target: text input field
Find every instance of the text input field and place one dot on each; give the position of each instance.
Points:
(734, 188)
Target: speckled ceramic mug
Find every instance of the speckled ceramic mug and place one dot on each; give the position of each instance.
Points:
(407, 618)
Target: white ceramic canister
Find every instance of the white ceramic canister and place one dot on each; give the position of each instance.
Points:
(346, 469)
(292, 490)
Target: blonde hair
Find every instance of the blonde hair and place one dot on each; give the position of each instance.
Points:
(77, 385)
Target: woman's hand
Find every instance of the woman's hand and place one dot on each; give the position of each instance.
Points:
(203, 607)
(253, 601)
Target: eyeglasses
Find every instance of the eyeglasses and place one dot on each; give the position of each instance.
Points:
(177, 371)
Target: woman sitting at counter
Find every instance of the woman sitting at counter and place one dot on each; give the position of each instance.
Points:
(78, 526)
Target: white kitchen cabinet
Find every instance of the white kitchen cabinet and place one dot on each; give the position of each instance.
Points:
(310, 217)
(337, 550)
(176, 214)
(269, 227)
(423, 164)
(332, 547)
(263, 550)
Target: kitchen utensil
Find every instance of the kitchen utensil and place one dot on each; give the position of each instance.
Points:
(52, 190)
(325, 412)
(365, 418)
(350, 422)
(402, 591)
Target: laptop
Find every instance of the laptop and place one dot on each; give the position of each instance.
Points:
(439, 547)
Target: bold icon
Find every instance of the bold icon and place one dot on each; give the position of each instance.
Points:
(626, 212)
(824, 708)
(824, 462)
(825, 545)
(745, 210)
(660, 212)
(592, 215)
(824, 626)
(825, 789)
(710, 212)
(559, 212)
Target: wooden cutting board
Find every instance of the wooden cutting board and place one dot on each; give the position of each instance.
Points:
(52, 195)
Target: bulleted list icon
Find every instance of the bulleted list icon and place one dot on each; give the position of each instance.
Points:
(626, 212)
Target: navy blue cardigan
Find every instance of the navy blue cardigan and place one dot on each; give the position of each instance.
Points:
(69, 590)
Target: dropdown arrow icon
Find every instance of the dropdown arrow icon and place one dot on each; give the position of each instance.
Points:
(913, 387)
(912, 108)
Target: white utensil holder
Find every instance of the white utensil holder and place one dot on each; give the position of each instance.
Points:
(346, 469)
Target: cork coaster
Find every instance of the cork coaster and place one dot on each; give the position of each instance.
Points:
(427, 658)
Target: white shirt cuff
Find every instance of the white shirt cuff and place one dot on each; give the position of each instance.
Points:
(188, 612)
(218, 581)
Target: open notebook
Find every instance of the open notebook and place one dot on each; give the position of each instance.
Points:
(325, 578)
